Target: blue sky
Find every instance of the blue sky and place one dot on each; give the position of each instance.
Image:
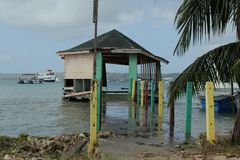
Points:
(31, 32)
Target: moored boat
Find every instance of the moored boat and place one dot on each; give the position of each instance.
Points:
(48, 76)
(29, 78)
(223, 103)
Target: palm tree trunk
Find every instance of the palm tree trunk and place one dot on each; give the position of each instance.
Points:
(236, 129)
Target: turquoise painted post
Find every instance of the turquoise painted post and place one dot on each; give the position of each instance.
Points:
(99, 66)
(132, 73)
(188, 110)
(152, 96)
(151, 123)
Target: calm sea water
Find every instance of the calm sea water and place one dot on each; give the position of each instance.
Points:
(38, 109)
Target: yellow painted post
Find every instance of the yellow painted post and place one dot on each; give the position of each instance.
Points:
(159, 127)
(142, 93)
(160, 99)
(210, 112)
(133, 90)
(93, 117)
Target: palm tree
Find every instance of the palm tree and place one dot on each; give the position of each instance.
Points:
(199, 19)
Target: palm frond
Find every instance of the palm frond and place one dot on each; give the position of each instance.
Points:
(196, 19)
(236, 70)
(216, 65)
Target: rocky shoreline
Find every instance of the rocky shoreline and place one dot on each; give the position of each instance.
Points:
(74, 147)
(29, 147)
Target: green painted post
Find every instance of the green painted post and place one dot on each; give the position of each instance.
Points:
(99, 66)
(188, 110)
(152, 96)
(151, 123)
(132, 73)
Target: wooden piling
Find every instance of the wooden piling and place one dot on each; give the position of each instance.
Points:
(133, 90)
(130, 89)
(138, 92)
(160, 105)
(146, 103)
(99, 104)
(142, 92)
(171, 127)
(188, 110)
(152, 96)
(146, 95)
(159, 129)
(210, 126)
(138, 101)
(93, 117)
(98, 76)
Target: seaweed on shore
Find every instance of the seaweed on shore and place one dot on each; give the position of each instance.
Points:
(56, 147)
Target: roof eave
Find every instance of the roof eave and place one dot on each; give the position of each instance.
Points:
(157, 58)
(63, 53)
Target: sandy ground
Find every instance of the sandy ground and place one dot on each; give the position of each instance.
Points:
(126, 149)
(119, 149)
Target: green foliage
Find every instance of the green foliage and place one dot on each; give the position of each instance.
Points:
(216, 65)
(198, 18)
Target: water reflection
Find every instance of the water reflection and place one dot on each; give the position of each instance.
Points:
(75, 117)
(44, 113)
(159, 129)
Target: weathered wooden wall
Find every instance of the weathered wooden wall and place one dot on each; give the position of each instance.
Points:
(78, 66)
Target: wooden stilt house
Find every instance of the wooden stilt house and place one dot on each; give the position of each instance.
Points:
(113, 47)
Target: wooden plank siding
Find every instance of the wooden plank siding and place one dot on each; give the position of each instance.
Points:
(78, 66)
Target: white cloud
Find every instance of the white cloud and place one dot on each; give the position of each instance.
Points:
(74, 16)
(133, 17)
(164, 15)
(6, 58)
(44, 13)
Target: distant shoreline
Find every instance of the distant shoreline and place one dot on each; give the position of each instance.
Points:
(112, 77)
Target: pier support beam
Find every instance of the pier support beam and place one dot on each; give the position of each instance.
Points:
(142, 93)
(99, 72)
(152, 96)
(132, 74)
(160, 71)
(133, 91)
(210, 112)
(160, 102)
(138, 101)
(171, 118)
(188, 110)
(93, 117)
(146, 95)
(138, 93)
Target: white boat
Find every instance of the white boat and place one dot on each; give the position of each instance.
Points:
(29, 78)
(48, 76)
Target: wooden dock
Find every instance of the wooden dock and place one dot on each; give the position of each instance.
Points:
(79, 94)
